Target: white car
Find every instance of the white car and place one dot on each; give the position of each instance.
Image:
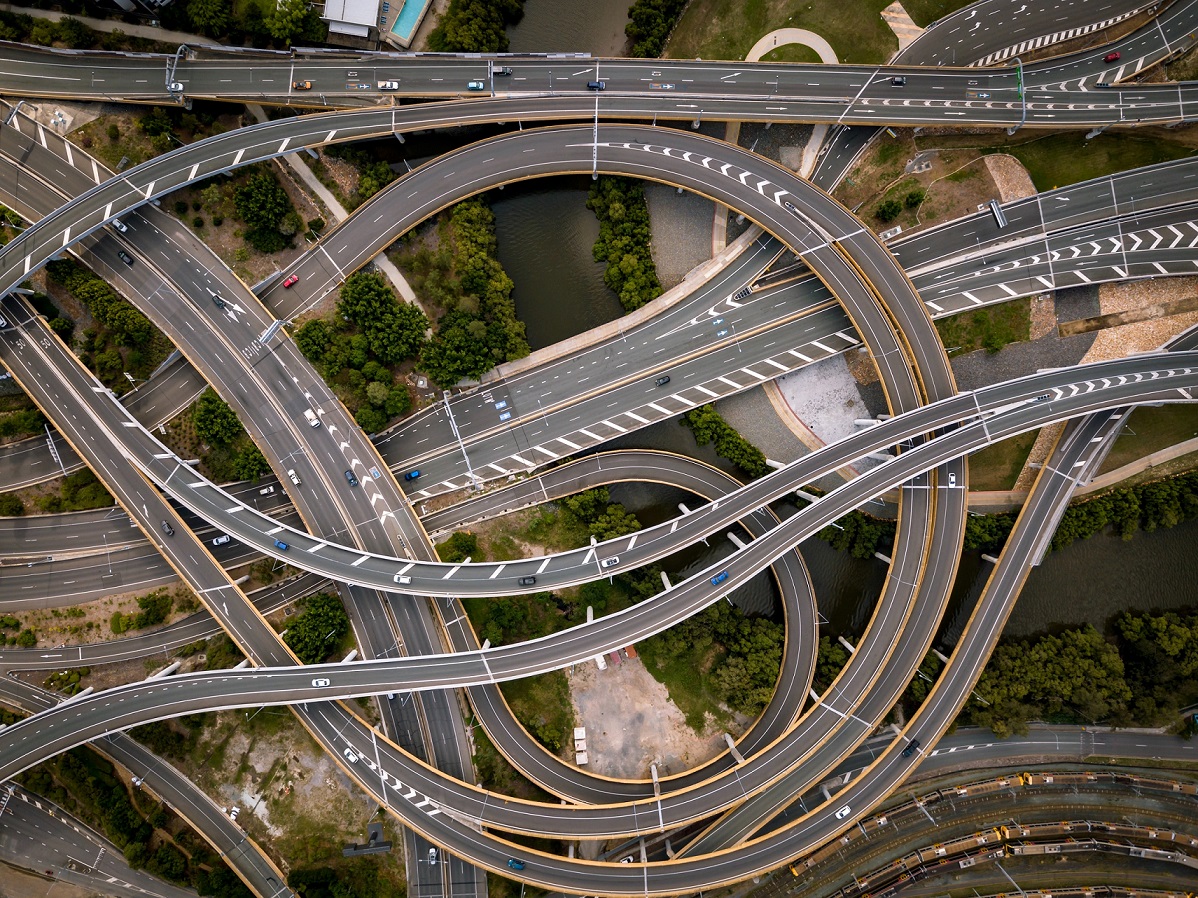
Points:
(175, 87)
(843, 812)
(388, 85)
(350, 756)
(611, 562)
(322, 681)
(223, 540)
(294, 477)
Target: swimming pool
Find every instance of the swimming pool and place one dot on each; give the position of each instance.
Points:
(409, 18)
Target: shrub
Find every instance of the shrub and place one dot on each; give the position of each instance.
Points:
(114, 133)
(888, 211)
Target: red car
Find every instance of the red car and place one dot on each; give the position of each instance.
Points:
(1111, 57)
(291, 279)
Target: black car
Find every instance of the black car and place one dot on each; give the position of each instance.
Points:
(910, 749)
(350, 478)
(663, 380)
(167, 528)
(528, 581)
(124, 257)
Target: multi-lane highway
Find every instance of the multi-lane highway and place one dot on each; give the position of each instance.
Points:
(889, 316)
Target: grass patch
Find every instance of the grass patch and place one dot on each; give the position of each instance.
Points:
(997, 467)
(924, 12)
(989, 328)
(792, 53)
(542, 704)
(686, 679)
(1149, 430)
(727, 29)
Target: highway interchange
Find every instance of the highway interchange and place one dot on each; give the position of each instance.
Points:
(848, 259)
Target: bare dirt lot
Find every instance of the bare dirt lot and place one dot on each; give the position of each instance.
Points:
(631, 723)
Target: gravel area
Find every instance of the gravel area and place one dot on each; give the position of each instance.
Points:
(631, 722)
(1077, 302)
(1010, 177)
(752, 414)
(1141, 336)
(977, 369)
(681, 225)
(780, 142)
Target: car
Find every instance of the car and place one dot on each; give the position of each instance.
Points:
(290, 280)
(351, 756)
(790, 207)
(223, 540)
(596, 85)
(320, 682)
(611, 562)
(476, 85)
(504, 70)
(267, 490)
(311, 417)
(219, 300)
(350, 478)
(528, 581)
(402, 579)
(910, 749)
(390, 696)
(124, 257)
(1043, 397)
(3, 321)
(388, 85)
(167, 528)
(294, 477)
(301, 85)
(281, 546)
(843, 812)
(663, 380)
(898, 81)
(626, 860)
(432, 857)
(515, 864)
(175, 87)
(952, 480)
(411, 475)
(1113, 56)
(719, 578)
(120, 225)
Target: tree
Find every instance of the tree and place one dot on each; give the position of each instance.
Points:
(11, 505)
(650, 23)
(888, 211)
(315, 632)
(261, 201)
(475, 26)
(455, 353)
(395, 331)
(214, 420)
(313, 339)
(210, 17)
(461, 545)
(286, 20)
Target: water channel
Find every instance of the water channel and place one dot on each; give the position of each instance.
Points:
(545, 233)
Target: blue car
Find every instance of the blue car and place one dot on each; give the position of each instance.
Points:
(282, 546)
(719, 578)
(515, 864)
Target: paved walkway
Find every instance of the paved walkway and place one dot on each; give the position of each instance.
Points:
(779, 38)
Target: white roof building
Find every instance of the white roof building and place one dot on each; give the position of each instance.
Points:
(352, 17)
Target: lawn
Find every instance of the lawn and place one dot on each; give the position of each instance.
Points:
(727, 29)
(997, 467)
(1149, 430)
(685, 678)
(990, 328)
(924, 12)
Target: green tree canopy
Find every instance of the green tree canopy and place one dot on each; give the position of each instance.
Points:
(214, 420)
(315, 632)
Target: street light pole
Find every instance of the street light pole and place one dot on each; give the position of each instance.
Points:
(1022, 94)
